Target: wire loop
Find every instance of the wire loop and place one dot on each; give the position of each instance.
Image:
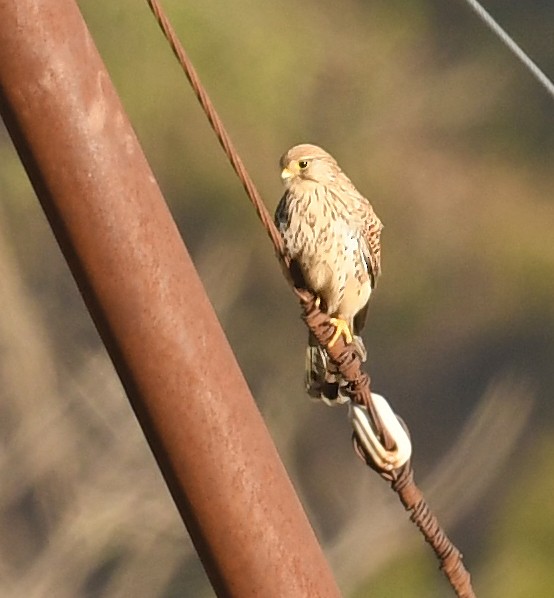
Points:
(369, 441)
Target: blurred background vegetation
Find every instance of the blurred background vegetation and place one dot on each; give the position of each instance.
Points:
(453, 142)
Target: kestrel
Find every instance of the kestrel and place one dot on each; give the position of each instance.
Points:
(332, 236)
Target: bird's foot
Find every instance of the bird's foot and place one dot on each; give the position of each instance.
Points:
(341, 329)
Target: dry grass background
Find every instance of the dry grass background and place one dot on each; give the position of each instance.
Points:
(84, 509)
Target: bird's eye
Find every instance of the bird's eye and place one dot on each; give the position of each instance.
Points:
(303, 164)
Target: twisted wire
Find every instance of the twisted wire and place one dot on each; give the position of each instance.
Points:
(218, 127)
(345, 357)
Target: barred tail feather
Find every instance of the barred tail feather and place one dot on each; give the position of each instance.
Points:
(323, 380)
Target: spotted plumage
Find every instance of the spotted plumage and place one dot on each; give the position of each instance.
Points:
(332, 235)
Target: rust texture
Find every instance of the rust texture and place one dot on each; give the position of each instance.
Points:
(150, 308)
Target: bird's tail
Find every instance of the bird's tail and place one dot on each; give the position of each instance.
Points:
(323, 380)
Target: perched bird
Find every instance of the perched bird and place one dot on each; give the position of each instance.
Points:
(332, 236)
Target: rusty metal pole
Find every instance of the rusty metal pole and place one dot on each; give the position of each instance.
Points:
(150, 308)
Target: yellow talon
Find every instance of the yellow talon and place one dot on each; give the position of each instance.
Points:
(341, 329)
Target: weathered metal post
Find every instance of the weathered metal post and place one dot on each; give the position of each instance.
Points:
(149, 305)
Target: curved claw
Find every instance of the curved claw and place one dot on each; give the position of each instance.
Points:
(341, 329)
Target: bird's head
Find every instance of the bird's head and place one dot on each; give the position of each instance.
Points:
(308, 162)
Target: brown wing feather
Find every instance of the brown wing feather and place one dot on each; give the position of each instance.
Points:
(371, 246)
(371, 251)
(366, 221)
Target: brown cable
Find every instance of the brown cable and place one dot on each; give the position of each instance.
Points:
(344, 357)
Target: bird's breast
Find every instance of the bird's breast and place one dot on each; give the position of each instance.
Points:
(313, 225)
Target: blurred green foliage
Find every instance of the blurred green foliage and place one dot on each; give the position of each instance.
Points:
(521, 550)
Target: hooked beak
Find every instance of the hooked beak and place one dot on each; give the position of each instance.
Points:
(286, 174)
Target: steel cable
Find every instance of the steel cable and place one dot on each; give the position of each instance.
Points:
(506, 39)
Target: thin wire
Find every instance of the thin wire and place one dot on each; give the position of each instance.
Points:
(347, 361)
(218, 127)
(493, 25)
